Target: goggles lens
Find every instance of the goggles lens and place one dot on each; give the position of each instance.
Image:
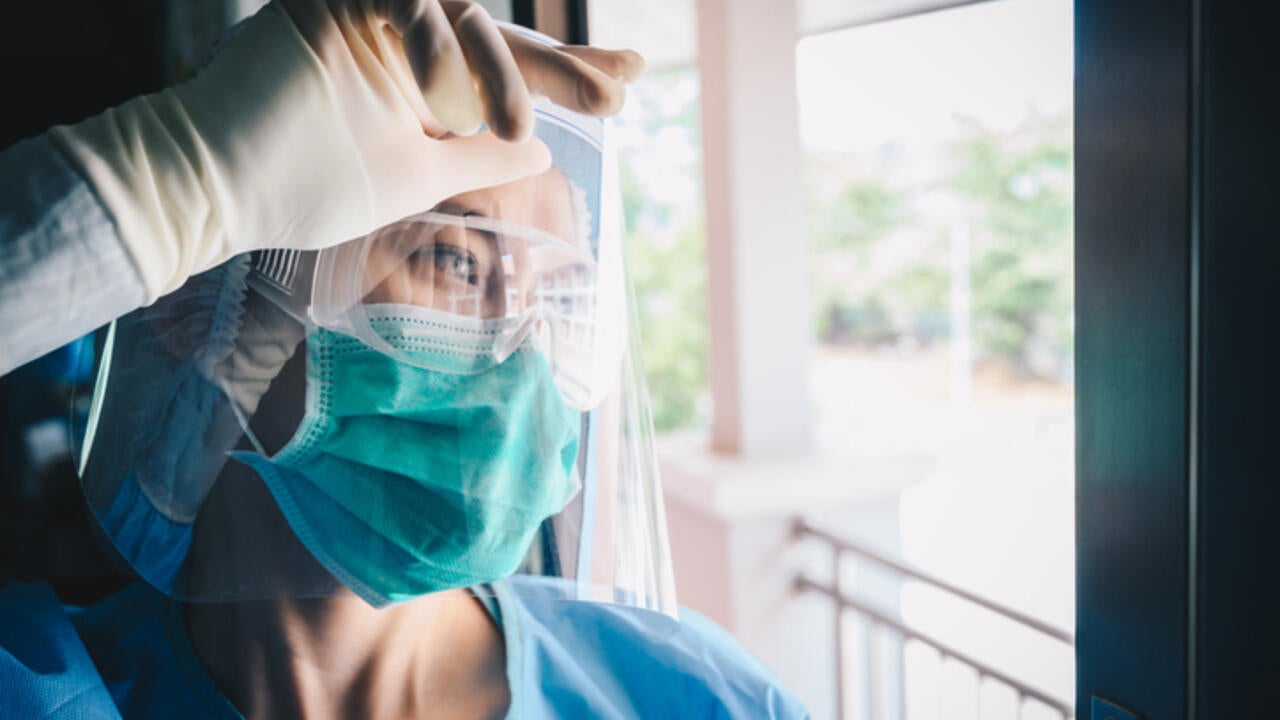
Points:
(493, 284)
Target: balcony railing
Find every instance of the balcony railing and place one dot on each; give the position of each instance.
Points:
(841, 548)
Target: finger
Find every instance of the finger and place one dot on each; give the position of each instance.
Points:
(566, 80)
(438, 63)
(483, 160)
(621, 65)
(507, 106)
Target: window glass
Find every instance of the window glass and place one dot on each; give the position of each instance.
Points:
(660, 162)
(939, 197)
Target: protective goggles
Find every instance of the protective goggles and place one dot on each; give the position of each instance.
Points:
(480, 282)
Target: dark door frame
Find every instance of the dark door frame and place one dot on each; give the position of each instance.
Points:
(564, 20)
(1177, 342)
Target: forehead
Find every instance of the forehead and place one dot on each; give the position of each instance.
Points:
(543, 201)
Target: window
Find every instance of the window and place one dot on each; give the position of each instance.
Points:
(937, 207)
(660, 165)
(939, 197)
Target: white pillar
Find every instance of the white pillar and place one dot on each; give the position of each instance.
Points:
(757, 257)
(730, 508)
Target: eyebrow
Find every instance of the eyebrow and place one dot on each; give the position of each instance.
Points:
(455, 208)
(490, 238)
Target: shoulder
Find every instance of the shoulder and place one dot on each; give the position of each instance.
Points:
(122, 632)
(45, 669)
(136, 640)
(613, 660)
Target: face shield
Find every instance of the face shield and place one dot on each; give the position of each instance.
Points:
(451, 400)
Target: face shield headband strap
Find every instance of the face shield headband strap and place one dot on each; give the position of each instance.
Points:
(284, 277)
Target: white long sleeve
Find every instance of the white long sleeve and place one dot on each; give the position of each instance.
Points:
(63, 269)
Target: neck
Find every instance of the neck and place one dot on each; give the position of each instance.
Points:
(438, 656)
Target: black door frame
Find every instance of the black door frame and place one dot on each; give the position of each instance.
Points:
(1177, 337)
(564, 20)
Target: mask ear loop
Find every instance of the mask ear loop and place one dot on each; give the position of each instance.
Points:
(286, 278)
(517, 338)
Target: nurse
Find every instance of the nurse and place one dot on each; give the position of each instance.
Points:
(407, 475)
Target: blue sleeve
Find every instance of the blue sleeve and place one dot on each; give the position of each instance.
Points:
(45, 670)
(589, 659)
(63, 270)
(763, 694)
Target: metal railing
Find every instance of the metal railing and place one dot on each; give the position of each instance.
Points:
(842, 547)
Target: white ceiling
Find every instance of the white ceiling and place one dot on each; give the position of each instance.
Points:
(665, 31)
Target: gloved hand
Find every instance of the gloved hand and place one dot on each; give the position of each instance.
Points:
(323, 120)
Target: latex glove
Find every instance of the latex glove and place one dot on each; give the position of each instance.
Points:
(313, 127)
(452, 64)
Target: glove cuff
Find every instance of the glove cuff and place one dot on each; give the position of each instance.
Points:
(253, 152)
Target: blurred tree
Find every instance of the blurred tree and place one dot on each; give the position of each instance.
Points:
(881, 272)
(1022, 266)
(665, 244)
(670, 284)
(846, 230)
(862, 213)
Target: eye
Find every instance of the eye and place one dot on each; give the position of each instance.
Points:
(451, 260)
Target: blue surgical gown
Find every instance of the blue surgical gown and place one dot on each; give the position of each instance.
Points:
(63, 273)
(129, 656)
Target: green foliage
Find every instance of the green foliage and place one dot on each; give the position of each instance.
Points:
(869, 289)
(665, 249)
(1022, 268)
(861, 214)
(670, 283)
(854, 304)
(879, 277)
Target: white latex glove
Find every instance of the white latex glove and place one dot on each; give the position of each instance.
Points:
(313, 127)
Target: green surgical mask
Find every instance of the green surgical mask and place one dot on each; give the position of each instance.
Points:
(404, 480)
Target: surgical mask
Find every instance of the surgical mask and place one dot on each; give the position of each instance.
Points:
(404, 480)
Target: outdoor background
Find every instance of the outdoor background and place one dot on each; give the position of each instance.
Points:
(938, 195)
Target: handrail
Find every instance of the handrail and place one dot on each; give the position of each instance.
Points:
(803, 528)
(983, 669)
